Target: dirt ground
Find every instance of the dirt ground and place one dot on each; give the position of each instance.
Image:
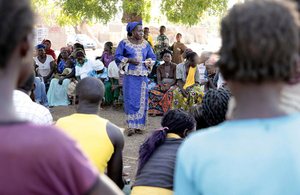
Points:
(130, 152)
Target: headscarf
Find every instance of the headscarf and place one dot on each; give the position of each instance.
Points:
(40, 46)
(132, 25)
(68, 49)
(50, 51)
(211, 60)
(98, 65)
(188, 50)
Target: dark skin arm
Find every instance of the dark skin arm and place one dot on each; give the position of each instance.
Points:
(71, 75)
(115, 165)
(159, 80)
(174, 80)
(189, 88)
(104, 186)
(180, 85)
(52, 65)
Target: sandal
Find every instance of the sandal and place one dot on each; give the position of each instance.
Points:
(138, 131)
(130, 132)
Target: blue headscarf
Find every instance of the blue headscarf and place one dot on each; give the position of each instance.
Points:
(40, 46)
(132, 25)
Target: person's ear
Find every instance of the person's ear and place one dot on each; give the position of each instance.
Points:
(296, 71)
(33, 87)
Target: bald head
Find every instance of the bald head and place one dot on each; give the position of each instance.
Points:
(90, 91)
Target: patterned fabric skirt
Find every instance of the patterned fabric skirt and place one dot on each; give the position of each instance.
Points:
(135, 92)
(195, 96)
(160, 102)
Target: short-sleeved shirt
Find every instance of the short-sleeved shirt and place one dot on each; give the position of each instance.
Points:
(254, 156)
(181, 73)
(178, 48)
(162, 41)
(37, 159)
(44, 68)
(83, 70)
(29, 110)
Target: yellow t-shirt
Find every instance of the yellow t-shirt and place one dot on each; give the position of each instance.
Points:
(90, 131)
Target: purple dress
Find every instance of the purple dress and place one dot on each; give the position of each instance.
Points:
(107, 59)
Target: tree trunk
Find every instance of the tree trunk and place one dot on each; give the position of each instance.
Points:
(83, 29)
(131, 17)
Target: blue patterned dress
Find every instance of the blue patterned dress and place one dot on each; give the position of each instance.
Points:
(135, 82)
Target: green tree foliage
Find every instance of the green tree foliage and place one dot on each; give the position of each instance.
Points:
(190, 12)
(73, 12)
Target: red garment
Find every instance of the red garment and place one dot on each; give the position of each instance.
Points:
(50, 51)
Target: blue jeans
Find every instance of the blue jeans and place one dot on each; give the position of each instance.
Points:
(40, 92)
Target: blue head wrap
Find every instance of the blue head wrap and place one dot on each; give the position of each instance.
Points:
(132, 25)
(40, 46)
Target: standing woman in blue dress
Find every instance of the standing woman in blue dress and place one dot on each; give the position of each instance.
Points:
(134, 56)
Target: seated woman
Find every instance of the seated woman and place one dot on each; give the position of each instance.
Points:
(83, 66)
(99, 71)
(45, 64)
(158, 154)
(65, 53)
(57, 94)
(160, 97)
(188, 91)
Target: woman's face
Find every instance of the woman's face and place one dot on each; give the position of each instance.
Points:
(167, 58)
(107, 49)
(64, 54)
(196, 61)
(138, 32)
(41, 51)
(80, 60)
(210, 69)
(47, 44)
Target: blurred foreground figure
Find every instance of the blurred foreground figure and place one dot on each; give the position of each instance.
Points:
(35, 159)
(258, 151)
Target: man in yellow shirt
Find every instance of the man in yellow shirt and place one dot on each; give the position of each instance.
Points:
(150, 38)
(101, 140)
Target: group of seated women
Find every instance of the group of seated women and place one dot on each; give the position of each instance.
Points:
(180, 86)
(56, 82)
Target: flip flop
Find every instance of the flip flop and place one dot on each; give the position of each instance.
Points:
(130, 132)
(138, 131)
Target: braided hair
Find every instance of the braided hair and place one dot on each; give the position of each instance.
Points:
(175, 121)
(214, 106)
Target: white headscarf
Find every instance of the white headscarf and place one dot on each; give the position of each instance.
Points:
(98, 65)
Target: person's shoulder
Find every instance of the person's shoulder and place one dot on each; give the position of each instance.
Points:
(115, 134)
(49, 57)
(173, 65)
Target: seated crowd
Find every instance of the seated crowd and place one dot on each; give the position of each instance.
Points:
(195, 151)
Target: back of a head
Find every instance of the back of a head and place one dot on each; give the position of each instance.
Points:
(16, 21)
(28, 85)
(90, 91)
(174, 121)
(79, 45)
(214, 105)
(259, 41)
(197, 112)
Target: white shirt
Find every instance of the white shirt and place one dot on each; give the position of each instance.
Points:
(202, 69)
(220, 80)
(82, 71)
(44, 68)
(113, 70)
(29, 110)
